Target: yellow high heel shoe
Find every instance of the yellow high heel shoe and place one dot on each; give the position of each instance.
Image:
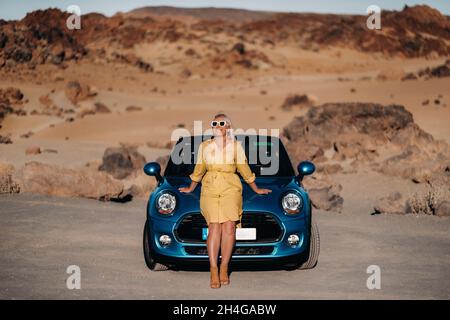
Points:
(215, 281)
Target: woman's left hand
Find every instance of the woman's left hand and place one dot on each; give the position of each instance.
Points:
(263, 191)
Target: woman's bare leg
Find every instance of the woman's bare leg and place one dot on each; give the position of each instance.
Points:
(227, 247)
(228, 240)
(213, 246)
(213, 243)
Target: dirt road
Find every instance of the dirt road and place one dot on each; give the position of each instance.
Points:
(41, 236)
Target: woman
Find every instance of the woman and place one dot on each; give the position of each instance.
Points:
(221, 194)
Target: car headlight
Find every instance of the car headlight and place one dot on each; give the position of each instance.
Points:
(292, 203)
(166, 203)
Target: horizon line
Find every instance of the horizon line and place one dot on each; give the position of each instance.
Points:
(217, 8)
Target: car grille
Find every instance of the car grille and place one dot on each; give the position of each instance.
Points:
(238, 251)
(267, 227)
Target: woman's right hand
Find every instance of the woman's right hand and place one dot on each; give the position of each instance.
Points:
(263, 191)
(186, 189)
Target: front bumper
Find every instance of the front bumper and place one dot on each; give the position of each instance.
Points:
(274, 260)
(179, 252)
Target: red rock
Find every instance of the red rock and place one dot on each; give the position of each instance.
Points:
(133, 108)
(297, 100)
(76, 92)
(33, 150)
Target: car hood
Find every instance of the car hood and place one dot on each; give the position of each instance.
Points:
(276, 184)
(262, 182)
(252, 202)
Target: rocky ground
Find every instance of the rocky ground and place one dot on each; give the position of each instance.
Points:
(81, 111)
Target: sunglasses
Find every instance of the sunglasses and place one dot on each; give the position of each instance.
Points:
(218, 123)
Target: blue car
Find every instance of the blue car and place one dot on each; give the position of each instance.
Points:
(276, 228)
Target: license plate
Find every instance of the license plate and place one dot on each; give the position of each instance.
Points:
(241, 233)
(245, 233)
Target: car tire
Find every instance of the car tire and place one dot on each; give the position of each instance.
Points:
(149, 260)
(312, 254)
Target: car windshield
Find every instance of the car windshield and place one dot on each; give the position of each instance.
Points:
(266, 156)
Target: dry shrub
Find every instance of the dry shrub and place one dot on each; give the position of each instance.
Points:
(427, 201)
(7, 185)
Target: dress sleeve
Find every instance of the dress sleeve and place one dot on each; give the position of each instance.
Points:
(242, 164)
(200, 166)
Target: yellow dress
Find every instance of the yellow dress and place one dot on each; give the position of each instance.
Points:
(221, 194)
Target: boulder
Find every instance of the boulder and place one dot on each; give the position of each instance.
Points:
(439, 71)
(76, 92)
(133, 60)
(191, 52)
(122, 161)
(186, 73)
(443, 209)
(57, 54)
(5, 139)
(394, 203)
(238, 55)
(85, 108)
(298, 100)
(239, 48)
(324, 193)
(49, 108)
(417, 164)
(326, 199)
(133, 108)
(140, 185)
(101, 108)
(11, 96)
(360, 132)
(54, 180)
(33, 150)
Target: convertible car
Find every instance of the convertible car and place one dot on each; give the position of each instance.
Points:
(277, 228)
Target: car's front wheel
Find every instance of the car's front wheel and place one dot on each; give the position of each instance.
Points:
(149, 260)
(311, 256)
(314, 247)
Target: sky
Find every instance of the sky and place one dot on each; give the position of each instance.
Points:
(17, 9)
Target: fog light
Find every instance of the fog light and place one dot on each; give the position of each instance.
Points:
(293, 240)
(165, 240)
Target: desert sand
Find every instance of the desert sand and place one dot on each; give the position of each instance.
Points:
(174, 69)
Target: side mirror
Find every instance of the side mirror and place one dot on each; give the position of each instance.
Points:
(153, 169)
(305, 168)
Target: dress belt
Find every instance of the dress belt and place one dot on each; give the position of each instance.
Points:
(216, 173)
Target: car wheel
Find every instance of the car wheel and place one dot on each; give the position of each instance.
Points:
(312, 254)
(149, 260)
